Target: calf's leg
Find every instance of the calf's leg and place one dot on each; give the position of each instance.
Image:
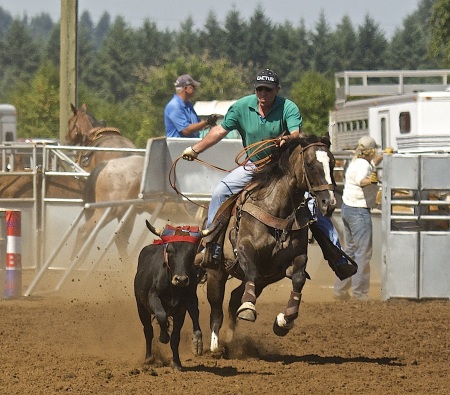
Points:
(146, 321)
(178, 321)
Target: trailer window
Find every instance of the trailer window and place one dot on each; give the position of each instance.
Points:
(405, 122)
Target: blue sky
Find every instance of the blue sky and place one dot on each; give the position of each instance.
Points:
(389, 14)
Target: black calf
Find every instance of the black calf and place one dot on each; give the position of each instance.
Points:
(165, 286)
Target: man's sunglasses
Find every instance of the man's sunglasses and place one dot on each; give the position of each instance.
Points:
(264, 88)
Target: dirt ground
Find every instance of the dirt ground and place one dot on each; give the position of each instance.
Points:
(87, 339)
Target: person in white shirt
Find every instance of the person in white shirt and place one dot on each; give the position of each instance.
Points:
(355, 211)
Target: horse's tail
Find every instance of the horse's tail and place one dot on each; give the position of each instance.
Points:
(90, 186)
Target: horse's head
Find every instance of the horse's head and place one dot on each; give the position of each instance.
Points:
(318, 164)
(80, 124)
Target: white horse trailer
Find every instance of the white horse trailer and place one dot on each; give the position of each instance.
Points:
(407, 110)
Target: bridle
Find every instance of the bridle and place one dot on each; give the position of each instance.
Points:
(75, 128)
(306, 178)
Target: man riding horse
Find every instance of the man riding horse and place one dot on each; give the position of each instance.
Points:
(263, 116)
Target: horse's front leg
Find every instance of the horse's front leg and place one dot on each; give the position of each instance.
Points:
(235, 304)
(284, 322)
(216, 279)
(246, 257)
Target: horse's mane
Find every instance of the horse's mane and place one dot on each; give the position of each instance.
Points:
(94, 121)
(279, 163)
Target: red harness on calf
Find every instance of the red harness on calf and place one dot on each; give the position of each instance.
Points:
(186, 233)
(171, 234)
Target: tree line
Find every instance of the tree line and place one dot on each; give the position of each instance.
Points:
(126, 75)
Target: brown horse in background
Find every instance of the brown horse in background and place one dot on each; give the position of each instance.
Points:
(115, 175)
(86, 131)
(112, 181)
(21, 186)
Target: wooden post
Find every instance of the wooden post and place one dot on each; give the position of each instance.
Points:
(68, 64)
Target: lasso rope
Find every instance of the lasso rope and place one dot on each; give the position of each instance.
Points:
(243, 153)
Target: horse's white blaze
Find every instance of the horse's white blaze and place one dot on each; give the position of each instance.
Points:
(323, 158)
(214, 342)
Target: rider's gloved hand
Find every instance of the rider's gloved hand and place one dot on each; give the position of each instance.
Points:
(189, 154)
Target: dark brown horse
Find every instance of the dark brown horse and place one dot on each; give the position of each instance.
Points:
(86, 131)
(269, 232)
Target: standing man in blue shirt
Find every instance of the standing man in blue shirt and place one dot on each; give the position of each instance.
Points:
(180, 118)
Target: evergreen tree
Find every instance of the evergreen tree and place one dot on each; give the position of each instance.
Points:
(344, 41)
(19, 58)
(303, 55)
(371, 46)
(408, 48)
(235, 44)
(52, 49)
(290, 53)
(212, 38)
(258, 37)
(186, 39)
(85, 47)
(40, 27)
(102, 29)
(152, 44)
(111, 72)
(323, 54)
(5, 22)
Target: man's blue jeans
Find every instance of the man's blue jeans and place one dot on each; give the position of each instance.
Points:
(358, 245)
(232, 183)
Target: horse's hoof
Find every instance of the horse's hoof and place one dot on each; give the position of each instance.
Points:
(281, 327)
(247, 312)
(197, 343)
(177, 367)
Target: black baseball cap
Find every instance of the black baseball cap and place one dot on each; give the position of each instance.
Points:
(267, 78)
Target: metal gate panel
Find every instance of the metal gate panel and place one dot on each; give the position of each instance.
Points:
(417, 239)
(403, 171)
(401, 277)
(195, 179)
(434, 265)
(434, 169)
(56, 224)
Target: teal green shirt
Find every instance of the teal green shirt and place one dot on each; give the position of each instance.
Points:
(243, 115)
